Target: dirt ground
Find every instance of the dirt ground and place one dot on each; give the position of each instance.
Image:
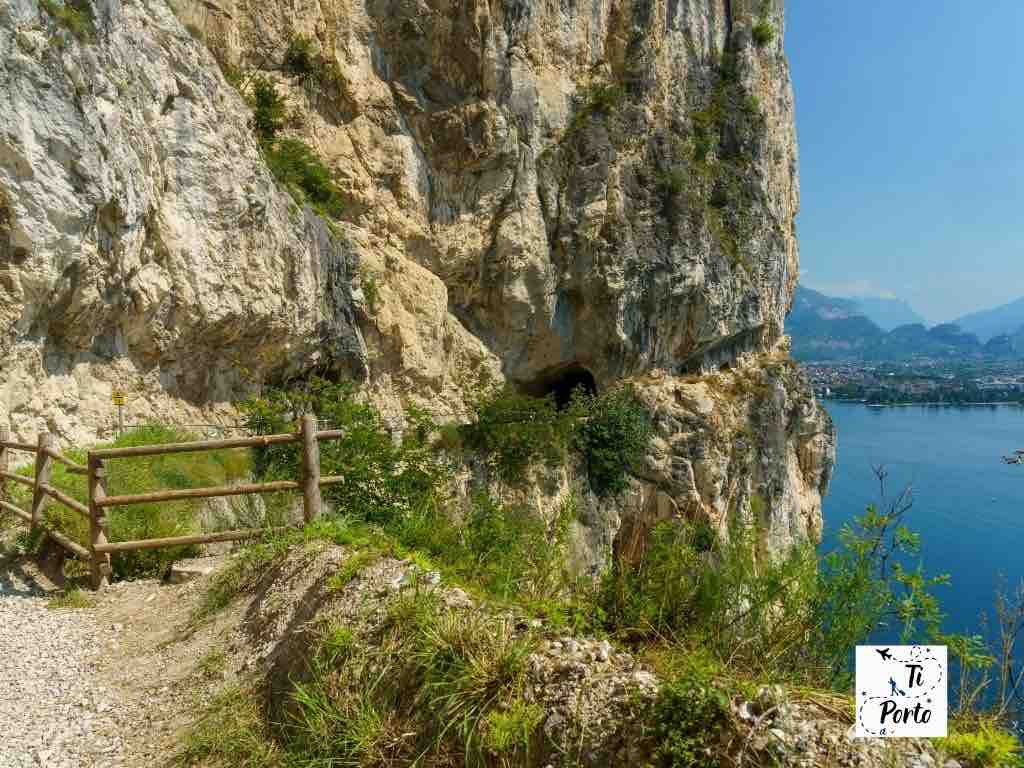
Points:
(127, 671)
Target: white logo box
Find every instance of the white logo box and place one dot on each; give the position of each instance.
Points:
(901, 691)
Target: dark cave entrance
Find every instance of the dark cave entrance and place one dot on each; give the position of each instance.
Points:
(561, 383)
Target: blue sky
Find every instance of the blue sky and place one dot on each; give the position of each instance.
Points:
(910, 117)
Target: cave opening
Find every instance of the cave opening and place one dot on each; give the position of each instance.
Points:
(561, 383)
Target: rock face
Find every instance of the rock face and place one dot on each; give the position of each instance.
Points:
(611, 186)
(535, 192)
(750, 446)
(143, 243)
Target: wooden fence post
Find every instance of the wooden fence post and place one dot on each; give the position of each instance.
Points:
(5, 434)
(311, 500)
(100, 562)
(44, 464)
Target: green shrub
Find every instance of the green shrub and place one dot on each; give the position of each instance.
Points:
(657, 595)
(690, 714)
(74, 15)
(513, 431)
(612, 436)
(671, 183)
(863, 584)
(235, 76)
(26, 542)
(299, 57)
(302, 60)
(715, 594)
(707, 125)
(299, 170)
(383, 480)
(451, 438)
(512, 553)
(985, 746)
(763, 32)
(370, 290)
(603, 99)
(606, 98)
(267, 107)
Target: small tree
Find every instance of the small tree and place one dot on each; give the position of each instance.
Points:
(864, 585)
(268, 109)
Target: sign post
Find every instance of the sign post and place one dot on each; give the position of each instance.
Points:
(117, 397)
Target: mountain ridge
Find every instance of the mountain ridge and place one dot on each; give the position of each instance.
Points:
(987, 324)
(889, 313)
(823, 327)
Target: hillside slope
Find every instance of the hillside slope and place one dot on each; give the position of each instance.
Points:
(161, 681)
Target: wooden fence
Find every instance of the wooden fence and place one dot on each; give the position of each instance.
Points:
(99, 549)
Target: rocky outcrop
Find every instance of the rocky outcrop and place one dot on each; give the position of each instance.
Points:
(532, 192)
(747, 446)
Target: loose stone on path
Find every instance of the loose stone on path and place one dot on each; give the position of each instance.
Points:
(52, 713)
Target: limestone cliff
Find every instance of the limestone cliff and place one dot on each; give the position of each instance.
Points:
(535, 191)
(143, 243)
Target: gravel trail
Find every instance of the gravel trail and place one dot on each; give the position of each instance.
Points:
(51, 712)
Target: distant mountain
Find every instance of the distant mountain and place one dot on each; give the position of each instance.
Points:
(888, 313)
(1008, 319)
(914, 340)
(825, 328)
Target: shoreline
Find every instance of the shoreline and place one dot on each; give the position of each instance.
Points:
(929, 403)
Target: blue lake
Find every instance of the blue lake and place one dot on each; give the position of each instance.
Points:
(968, 504)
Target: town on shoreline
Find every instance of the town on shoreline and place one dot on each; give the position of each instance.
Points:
(920, 381)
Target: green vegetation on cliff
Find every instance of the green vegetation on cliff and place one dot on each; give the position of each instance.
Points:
(76, 16)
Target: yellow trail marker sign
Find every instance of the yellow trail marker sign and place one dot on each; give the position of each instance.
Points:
(117, 396)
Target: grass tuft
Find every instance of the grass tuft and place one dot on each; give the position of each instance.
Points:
(356, 562)
(71, 599)
(74, 15)
(213, 663)
(231, 732)
(508, 732)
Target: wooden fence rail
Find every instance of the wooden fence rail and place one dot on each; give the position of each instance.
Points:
(99, 549)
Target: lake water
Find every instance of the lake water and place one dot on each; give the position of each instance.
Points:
(968, 504)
